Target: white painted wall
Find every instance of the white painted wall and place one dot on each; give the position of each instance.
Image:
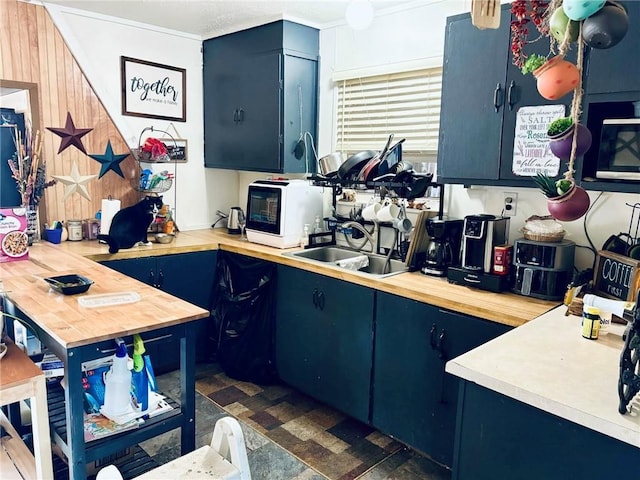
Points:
(97, 42)
(398, 37)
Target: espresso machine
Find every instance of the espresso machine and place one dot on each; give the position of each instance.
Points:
(443, 250)
(480, 235)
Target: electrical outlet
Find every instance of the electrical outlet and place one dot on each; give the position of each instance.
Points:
(510, 204)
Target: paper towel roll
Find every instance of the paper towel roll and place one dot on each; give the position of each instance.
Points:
(109, 209)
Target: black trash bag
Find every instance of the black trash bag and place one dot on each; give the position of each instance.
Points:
(243, 317)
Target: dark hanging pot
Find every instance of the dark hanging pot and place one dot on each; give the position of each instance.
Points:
(606, 27)
(569, 206)
(560, 144)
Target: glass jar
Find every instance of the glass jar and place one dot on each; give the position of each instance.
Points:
(74, 228)
(91, 228)
(591, 322)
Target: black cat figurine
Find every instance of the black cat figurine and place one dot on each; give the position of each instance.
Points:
(129, 225)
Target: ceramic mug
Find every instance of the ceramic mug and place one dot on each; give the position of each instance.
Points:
(388, 213)
(370, 212)
(403, 225)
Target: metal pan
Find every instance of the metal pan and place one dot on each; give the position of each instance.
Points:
(352, 166)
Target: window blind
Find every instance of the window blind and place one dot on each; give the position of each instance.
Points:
(406, 104)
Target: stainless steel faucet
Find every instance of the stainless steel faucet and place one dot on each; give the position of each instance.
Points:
(364, 231)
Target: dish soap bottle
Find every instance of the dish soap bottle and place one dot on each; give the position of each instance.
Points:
(139, 375)
(117, 384)
(304, 239)
(316, 227)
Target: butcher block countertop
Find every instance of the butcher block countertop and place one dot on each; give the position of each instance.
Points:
(506, 308)
(72, 325)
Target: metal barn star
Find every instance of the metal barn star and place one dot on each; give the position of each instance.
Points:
(75, 182)
(110, 161)
(70, 135)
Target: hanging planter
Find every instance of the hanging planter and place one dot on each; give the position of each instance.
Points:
(580, 9)
(556, 78)
(561, 133)
(558, 24)
(565, 200)
(569, 206)
(606, 27)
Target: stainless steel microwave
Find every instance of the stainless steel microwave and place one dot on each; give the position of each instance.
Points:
(619, 149)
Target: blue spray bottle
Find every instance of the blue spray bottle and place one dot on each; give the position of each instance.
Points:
(139, 376)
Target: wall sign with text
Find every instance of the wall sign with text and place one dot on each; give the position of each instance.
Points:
(531, 152)
(616, 276)
(153, 90)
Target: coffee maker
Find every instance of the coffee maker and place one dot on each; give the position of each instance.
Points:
(443, 249)
(480, 234)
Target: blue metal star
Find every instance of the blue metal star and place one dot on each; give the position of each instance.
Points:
(110, 161)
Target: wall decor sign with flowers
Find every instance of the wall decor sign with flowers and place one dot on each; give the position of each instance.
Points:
(568, 24)
(153, 90)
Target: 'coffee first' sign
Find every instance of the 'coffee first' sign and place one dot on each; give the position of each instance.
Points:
(616, 276)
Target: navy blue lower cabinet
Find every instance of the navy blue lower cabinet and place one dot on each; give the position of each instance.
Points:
(188, 276)
(499, 437)
(414, 400)
(324, 339)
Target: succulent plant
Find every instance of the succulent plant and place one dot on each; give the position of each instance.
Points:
(550, 187)
(532, 63)
(560, 125)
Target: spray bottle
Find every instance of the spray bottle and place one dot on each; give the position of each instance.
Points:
(117, 383)
(139, 376)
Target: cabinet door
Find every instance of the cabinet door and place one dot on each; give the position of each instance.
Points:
(473, 96)
(414, 399)
(617, 69)
(221, 93)
(324, 339)
(457, 334)
(242, 112)
(260, 119)
(142, 269)
(300, 111)
(521, 91)
(407, 381)
(188, 276)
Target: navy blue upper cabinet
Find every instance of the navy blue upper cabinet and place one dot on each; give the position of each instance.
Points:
(260, 96)
(481, 93)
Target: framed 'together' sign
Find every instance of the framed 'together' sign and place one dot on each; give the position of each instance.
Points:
(153, 90)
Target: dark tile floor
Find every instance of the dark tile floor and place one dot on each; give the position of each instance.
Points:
(282, 444)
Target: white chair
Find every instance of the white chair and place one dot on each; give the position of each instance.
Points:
(224, 459)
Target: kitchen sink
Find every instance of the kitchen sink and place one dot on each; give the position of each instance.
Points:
(332, 255)
(327, 254)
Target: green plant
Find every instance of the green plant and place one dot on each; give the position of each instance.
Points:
(550, 187)
(532, 63)
(560, 125)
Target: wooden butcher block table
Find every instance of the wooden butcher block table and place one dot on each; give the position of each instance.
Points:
(77, 334)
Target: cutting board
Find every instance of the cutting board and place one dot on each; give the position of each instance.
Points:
(420, 238)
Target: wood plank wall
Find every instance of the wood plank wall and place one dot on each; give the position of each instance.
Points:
(33, 51)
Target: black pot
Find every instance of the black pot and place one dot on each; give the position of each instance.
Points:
(606, 27)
